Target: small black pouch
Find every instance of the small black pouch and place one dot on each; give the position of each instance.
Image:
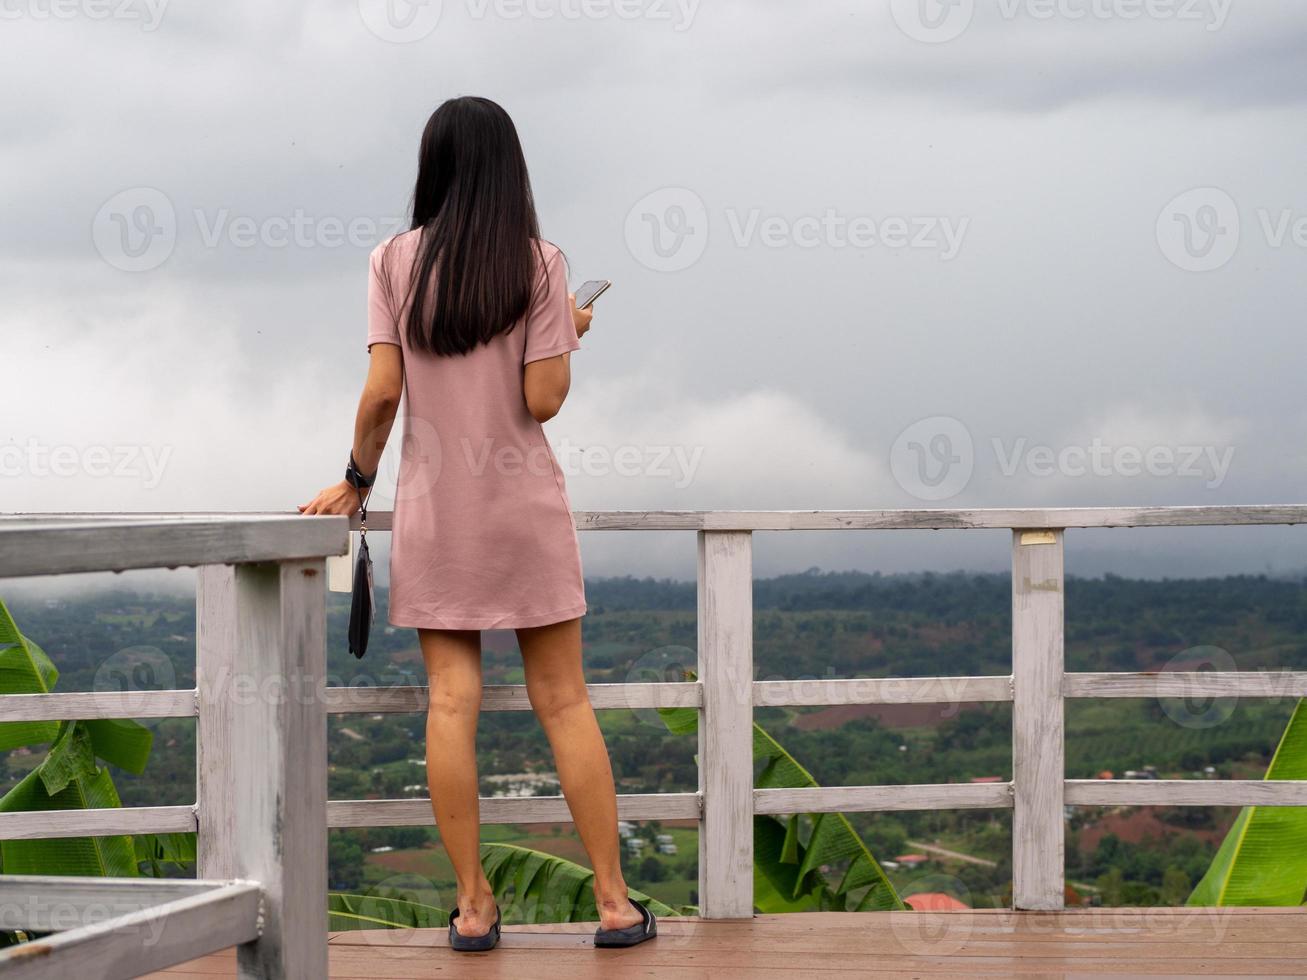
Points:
(362, 607)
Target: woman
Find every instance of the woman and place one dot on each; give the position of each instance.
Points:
(469, 314)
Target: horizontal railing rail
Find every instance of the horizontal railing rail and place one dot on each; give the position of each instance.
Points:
(260, 623)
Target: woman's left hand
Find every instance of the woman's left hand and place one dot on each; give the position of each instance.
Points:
(339, 498)
(580, 318)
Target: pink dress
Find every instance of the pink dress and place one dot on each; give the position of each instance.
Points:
(483, 535)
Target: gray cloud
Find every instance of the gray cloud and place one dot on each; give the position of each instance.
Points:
(792, 365)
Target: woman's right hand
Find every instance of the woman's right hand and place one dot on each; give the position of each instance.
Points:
(580, 318)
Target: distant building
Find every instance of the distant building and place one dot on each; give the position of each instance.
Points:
(1105, 774)
(934, 902)
(911, 860)
(988, 779)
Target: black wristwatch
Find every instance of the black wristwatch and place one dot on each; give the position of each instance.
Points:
(355, 478)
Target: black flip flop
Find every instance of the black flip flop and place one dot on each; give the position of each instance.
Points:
(473, 944)
(631, 935)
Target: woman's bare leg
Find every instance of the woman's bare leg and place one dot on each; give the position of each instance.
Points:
(551, 656)
(453, 659)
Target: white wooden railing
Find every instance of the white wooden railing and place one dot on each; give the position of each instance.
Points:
(260, 629)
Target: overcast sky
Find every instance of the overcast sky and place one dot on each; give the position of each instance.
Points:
(865, 254)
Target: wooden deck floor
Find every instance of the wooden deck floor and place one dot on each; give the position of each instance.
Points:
(1121, 942)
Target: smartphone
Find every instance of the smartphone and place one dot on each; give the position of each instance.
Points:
(588, 292)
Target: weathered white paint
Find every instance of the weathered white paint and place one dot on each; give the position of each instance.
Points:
(1038, 764)
(862, 799)
(48, 903)
(145, 940)
(725, 661)
(39, 824)
(1188, 684)
(262, 790)
(511, 697)
(57, 546)
(502, 810)
(98, 704)
(1004, 518)
(916, 519)
(951, 691)
(1187, 792)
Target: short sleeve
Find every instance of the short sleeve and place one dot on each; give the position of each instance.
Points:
(549, 327)
(382, 325)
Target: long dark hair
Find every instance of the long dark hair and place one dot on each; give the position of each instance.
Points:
(473, 203)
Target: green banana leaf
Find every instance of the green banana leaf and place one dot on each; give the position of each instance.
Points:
(787, 865)
(164, 852)
(91, 856)
(24, 669)
(1263, 859)
(68, 778)
(348, 911)
(544, 888)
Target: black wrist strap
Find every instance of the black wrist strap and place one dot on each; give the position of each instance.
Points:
(354, 476)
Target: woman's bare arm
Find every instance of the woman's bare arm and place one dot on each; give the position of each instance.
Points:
(378, 406)
(545, 383)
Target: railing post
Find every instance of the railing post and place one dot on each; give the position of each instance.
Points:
(262, 750)
(725, 664)
(1038, 763)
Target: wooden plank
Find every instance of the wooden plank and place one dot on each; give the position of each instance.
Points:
(61, 546)
(47, 903)
(508, 810)
(858, 690)
(916, 519)
(1154, 941)
(725, 662)
(865, 799)
(510, 697)
(98, 704)
(262, 785)
(1186, 792)
(1038, 763)
(144, 940)
(882, 690)
(43, 824)
(1052, 518)
(1187, 684)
